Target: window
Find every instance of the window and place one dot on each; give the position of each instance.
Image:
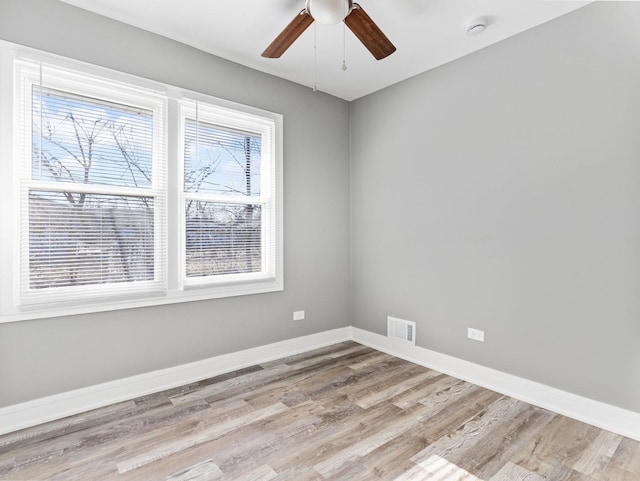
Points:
(92, 191)
(228, 195)
(103, 215)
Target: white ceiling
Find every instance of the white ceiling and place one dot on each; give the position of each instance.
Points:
(427, 33)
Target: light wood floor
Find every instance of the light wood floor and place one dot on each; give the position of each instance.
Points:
(345, 412)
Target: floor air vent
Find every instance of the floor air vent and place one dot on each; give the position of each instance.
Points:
(401, 330)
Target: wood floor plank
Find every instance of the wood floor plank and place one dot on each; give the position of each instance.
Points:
(447, 413)
(65, 426)
(564, 473)
(435, 385)
(385, 393)
(204, 471)
(343, 425)
(362, 447)
(393, 458)
(352, 472)
(342, 412)
(403, 421)
(466, 435)
(486, 443)
(173, 446)
(513, 472)
(96, 446)
(237, 384)
(436, 468)
(627, 456)
(370, 359)
(497, 446)
(299, 474)
(261, 473)
(598, 454)
(268, 441)
(560, 443)
(616, 473)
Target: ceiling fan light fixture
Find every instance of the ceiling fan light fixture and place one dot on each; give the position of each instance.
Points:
(329, 12)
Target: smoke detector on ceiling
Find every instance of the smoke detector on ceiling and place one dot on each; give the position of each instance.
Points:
(475, 26)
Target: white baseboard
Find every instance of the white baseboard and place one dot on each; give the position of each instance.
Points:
(50, 408)
(605, 416)
(38, 411)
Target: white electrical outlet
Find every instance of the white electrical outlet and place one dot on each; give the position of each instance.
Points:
(475, 334)
(298, 315)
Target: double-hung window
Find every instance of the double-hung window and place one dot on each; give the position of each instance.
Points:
(119, 192)
(92, 195)
(228, 195)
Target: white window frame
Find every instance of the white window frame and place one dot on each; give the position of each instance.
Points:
(172, 286)
(206, 112)
(29, 75)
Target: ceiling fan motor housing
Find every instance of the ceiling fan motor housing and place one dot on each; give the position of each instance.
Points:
(329, 12)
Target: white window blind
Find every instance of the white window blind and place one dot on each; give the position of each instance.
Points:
(228, 195)
(92, 193)
(122, 192)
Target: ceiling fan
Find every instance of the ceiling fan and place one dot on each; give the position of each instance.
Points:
(331, 12)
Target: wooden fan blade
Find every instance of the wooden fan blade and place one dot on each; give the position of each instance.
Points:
(289, 35)
(369, 33)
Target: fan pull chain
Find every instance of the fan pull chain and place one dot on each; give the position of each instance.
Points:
(315, 56)
(344, 47)
(344, 40)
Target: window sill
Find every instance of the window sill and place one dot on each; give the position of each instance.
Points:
(191, 294)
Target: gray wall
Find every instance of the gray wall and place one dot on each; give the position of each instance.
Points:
(43, 357)
(502, 192)
(499, 191)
